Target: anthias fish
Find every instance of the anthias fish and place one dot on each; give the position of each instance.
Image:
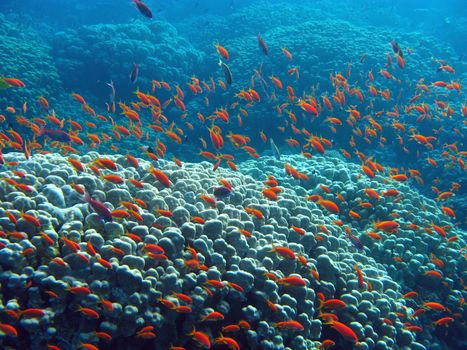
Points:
(235, 200)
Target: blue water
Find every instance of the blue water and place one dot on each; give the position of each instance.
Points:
(85, 61)
(61, 47)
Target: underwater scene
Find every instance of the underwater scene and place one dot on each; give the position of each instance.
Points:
(233, 174)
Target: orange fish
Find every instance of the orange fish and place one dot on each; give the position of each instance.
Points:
(359, 276)
(344, 330)
(292, 281)
(329, 205)
(276, 82)
(284, 252)
(160, 176)
(287, 53)
(201, 338)
(290, 325)
(222, 51)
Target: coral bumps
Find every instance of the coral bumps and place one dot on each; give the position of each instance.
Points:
(176, 265)
(105, 52)
(23, 52)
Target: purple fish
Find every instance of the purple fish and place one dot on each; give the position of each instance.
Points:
(220, 191)
(98, 207)
(262, 45)
(143, 8)
(355, 241)
(55, 134)
(134, 73)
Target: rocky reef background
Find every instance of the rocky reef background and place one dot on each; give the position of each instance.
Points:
(139, 262)
(92, 43)
(23, 51)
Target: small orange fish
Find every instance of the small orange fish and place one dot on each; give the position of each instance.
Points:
(201, 338)
(160, 176)
(222, 51)
(290, 325)
(284, 252)
(292, 281)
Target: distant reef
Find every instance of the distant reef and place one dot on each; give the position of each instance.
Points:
(24, 53)
(92, 55)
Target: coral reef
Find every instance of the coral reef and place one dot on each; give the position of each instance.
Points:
(296, 251)
(310, 33)
(174, 258)
(92, 55)
(23, 52)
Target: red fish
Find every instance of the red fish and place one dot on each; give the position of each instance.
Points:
(292, 281)
(387, 226)
(14, 82)
(334, 304)
(291, 325)
(143, 8)
(287, 53)
(201, 338)
(329, 205)
(344, 330)
(222, 51)
(160, 176)
(8, 330)
(99, 207)
(229, 342)
(213, 316)
(283, 251)
(359, 276)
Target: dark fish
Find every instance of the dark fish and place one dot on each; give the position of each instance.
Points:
(55, 134)
(355, 241)
(112, 95)
(134, 73)
(143, 8)
(362, 59)
(396, 48)
(98, 207)
(275, 150)
(262, 45)
(227, 72)
(221, 191)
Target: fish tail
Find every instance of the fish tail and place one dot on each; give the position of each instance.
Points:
(320, 306)
(87, 197)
